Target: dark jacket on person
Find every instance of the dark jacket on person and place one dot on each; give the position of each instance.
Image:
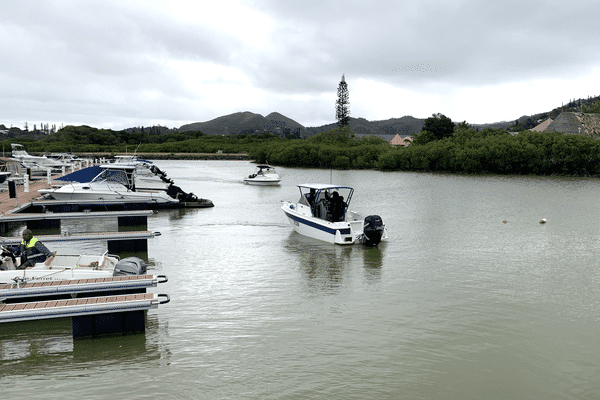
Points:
(34, 251)
(337, 207)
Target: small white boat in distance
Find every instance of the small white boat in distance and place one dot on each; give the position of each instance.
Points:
(265, 175)
(322, 213)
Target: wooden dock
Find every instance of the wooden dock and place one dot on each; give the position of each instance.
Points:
(50, 220)
(20, 292)
(91, 313)
(117, 242)
(97, 307)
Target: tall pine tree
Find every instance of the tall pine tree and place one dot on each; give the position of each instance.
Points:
(342, 104)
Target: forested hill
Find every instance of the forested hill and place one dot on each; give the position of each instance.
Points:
(247, 122)
(244, 122)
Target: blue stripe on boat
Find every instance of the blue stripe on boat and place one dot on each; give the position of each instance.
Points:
(345, 231)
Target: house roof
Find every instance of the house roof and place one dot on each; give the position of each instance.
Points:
(567, 122)
(576, 124)
(400, 141)
(541, 127)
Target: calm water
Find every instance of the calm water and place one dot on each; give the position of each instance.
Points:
(457, 305)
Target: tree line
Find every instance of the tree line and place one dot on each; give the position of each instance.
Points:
(441, 146)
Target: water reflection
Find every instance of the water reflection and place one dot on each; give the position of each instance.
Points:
(322, 264)
(179, 213)
(35, 347)
(373, 260)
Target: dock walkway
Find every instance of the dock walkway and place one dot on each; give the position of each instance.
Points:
(96, 306)
(8, 205)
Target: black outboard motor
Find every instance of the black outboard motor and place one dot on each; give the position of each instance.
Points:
(373, 230)
(176, 192)
(130, 266)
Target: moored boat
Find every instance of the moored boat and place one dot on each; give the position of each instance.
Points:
(41, 163)
(265, 175)
(136, 180)
(63, 267)
(144, 174)
(110, 184)
(322, 213)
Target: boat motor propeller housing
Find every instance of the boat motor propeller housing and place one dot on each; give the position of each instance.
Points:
(372, 230)
(130, 266)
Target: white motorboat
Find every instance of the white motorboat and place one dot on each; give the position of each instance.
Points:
(322, 213)
(146, 175)
(34, 162)
(112, 183)
(68, 159)
(265, 175)
(62, 267)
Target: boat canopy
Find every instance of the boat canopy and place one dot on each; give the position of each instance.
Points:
(82, 176)
(322, 191)
(322, 186)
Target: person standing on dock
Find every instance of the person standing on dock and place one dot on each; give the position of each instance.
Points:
(31, 250)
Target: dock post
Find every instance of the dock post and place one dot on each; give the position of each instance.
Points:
(109, 324)
(127, 246)
(129, 223)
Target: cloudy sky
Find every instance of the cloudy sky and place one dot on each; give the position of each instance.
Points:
(123, 63)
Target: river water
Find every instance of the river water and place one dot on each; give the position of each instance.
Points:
(456, 305)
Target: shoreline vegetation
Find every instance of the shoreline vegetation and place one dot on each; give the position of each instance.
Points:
(440, 147)
(176, 156)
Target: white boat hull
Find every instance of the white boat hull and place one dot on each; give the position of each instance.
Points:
(61, 268)
(322, 213)
(100, 191)
(264, 175)
(262, 182)
(343, 233)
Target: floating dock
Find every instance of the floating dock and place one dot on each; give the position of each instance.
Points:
(117, 241)
(53, 220)
(57, 289)
(91, 315)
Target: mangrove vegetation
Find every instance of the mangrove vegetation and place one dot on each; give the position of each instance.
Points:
(441, 146)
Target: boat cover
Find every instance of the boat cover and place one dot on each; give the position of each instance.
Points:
(83, 175)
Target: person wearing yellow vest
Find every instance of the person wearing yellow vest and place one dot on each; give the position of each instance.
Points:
(31, 250)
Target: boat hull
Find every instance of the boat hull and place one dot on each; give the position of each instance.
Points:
(201, 203)
(106, 192)
(341, 233)
(62, 267)
(31, 275)
(262, 182)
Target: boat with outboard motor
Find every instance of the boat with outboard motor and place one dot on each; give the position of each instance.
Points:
(128, 178)
(110, 184)
(145, 176)
(265, 175)
(63, 267)
(322, 213)
(116, 182)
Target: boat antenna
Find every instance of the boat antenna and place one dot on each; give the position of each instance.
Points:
(136, 149)
(331, 176)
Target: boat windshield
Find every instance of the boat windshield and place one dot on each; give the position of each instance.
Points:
(113, 176)
(327, 201)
